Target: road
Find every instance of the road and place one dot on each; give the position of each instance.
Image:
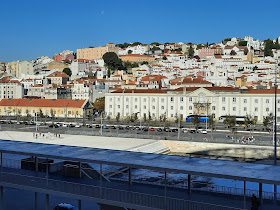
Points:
(221, 135)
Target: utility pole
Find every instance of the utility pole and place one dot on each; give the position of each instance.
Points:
(275, 128)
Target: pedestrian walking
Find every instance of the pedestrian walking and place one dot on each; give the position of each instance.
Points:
(58, 135)
(255, 203)
(43, 136)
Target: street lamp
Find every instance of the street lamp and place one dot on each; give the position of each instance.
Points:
(275, 127)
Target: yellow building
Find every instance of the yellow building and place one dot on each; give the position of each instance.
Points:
(48, 107)
(96, 52)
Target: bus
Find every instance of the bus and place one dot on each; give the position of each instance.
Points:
(240, 120)
(202, 118)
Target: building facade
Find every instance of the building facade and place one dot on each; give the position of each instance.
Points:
(219, 101)
(96, 52)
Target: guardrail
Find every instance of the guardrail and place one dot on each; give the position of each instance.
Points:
(115, 195)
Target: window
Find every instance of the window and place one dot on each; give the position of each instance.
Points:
(62, 112)
(110, 99)
(162, 107)
(110, 106)
(154, 107)
(135, 106)
(153, 100)
(126, 106)
(171, 107)
(245, 101)
(223, 108)
(127, 100)
(181, 107)
(172, 115)
(119, 106)
(145, 99)
(233, 109)
(267, 101)
(256, 109)
(213, 108)
(233, 99)
(223, 99)
(77, 112)
(135, 99)
(171, 99)
(245, 109)
(267, 109)
(190, 99)
(69, 112)
(119, 99)
(144, 107)
(278, 101)
(213, 99)
(256, 101)
(190, 107)
(181, 99)
(162, 100)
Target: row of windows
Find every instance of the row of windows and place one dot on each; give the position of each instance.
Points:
(162, 107)
(267, 101)
(245, 109)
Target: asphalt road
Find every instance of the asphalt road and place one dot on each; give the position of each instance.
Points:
(223, 135)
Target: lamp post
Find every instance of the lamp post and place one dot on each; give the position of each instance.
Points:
(275, 126)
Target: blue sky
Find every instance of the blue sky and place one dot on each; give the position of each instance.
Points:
(30, 28)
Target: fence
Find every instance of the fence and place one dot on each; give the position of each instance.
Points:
(115, 195)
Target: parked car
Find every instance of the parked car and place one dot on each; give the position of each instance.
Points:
(64, 125)
(77, 126)
(167, 130)
(145, 129)
(97, 126)
(120, 128)
(127, 127)
(64, 206)
(184, 130)
(152, 129)
(204, 131)
(159, 130)
(175, 130)
(53, 126)
(89, 125)
(113, 127)
(71, 125)
(104, 127)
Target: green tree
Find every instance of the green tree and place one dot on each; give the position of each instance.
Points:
(195, 121)
(211, 122)
(242, 43)
(52, 115)
(144, 62)
(233, 52)
(118, 118)
(268, 120)
(112, 61)
(155, 43)
(191, 52)
(230, 121)
(136, 43)
(99, 104)
(67, 71)
(41, 115)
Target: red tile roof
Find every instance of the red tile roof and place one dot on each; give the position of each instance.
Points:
(140, 91)
(43, 103)
(58, 74)
(263, 91)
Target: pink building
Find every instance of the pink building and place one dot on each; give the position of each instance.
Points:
(63, 56)
(209, 51)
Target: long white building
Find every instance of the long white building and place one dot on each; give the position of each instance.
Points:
(182, 102)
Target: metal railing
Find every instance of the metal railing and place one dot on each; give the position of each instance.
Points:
(156, 181)
(110, 194)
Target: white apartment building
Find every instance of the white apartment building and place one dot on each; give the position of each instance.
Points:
(182, 102)
(11, 89)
